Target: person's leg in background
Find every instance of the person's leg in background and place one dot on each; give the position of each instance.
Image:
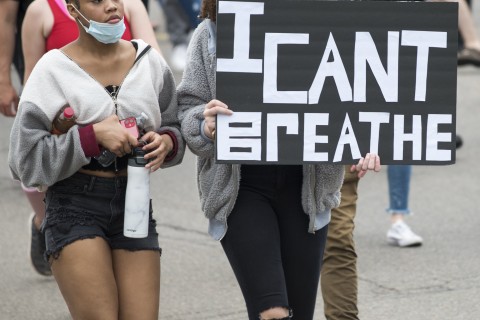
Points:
(470, 54)
(192, 9)
(178, 28)
(339, 271)
(37, 239)
(400, 233)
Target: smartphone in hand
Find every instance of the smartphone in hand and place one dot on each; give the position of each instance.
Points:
(130, 124)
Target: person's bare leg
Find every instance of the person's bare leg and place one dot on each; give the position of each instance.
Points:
(138, 280)
(274, 313)
(84, 274)
(466, 26)
(35, 199)
(395, 217)
(37, 239)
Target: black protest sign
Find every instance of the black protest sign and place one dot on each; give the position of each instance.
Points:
(329, 81)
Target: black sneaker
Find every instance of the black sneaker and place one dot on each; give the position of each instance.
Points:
(37, 249)
(468, 56)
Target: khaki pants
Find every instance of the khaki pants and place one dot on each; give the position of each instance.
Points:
(339, 270)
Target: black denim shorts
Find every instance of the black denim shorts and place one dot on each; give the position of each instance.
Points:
(85, 207)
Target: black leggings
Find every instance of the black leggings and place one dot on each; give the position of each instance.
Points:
(275, 260)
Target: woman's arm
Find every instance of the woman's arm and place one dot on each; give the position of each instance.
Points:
(33, 38)
(140, 23)
(170, 129)
(195, 91)
(8, 19)
(38, 158)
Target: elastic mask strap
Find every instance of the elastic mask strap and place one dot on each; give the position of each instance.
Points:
(81, 15)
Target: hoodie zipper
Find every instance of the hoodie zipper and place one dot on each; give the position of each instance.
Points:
(116, 89)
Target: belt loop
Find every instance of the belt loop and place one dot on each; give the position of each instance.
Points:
(92, 183)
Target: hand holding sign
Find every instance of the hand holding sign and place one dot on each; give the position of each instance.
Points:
(213, 108)
(370, 162)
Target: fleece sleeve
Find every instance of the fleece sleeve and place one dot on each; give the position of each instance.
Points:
(170, 122)
(38, 158)
(194, 92)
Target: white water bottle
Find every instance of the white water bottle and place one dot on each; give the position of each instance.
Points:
(137, 198)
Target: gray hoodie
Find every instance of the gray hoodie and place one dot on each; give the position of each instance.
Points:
(218, 184)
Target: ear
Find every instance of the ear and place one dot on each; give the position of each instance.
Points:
(72, 11)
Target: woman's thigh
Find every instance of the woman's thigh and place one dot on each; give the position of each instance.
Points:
(84, 274)
(138, 281)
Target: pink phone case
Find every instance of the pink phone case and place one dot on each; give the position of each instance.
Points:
(131, 125)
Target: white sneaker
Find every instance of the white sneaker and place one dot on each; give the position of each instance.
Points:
(178, 59)
(401, 235)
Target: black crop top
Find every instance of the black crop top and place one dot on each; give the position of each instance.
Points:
(94, 165)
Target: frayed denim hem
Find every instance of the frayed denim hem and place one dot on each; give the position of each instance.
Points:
(141, 249)
(55, 253)
(404, 212)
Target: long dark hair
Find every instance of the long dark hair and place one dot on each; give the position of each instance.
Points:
(208, 10)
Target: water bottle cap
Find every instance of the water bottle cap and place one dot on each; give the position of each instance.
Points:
(68, 112)
(137, 158)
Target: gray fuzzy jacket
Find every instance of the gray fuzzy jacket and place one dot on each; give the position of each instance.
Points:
(218, 184)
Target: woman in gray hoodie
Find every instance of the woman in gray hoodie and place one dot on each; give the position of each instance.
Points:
(101, 273)
(276, 215)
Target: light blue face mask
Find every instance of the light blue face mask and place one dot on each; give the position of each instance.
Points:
(104, 32)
